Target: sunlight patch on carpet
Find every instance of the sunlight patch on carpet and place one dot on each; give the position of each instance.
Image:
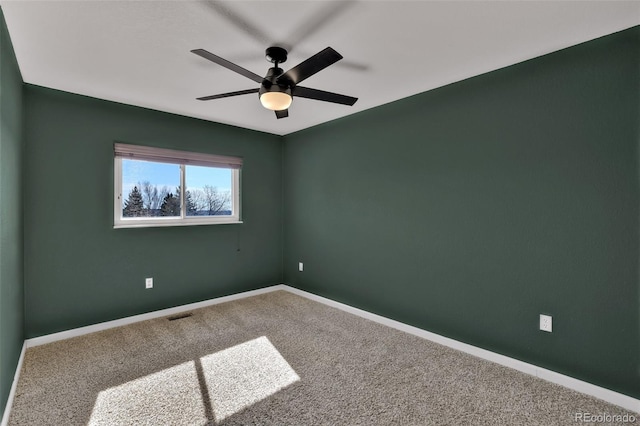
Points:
(209, 388)
(168, 397)
(243, 375)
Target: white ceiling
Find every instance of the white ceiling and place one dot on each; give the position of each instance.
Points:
(138, 52)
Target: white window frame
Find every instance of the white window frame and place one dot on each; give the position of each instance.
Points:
(183, 159)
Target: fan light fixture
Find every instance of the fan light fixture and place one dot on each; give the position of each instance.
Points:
(275, 101)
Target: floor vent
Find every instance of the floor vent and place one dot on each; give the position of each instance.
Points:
(180, 316)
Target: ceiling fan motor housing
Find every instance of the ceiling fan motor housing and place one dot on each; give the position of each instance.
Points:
(269, 84)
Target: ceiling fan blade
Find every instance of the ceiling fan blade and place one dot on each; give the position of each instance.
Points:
(230, 65)
(309, 67)
(226, 95)
(321, 95)
(282, 114)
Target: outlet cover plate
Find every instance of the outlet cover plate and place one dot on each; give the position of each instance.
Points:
(546, 323)
(300, 266)
(148, 283)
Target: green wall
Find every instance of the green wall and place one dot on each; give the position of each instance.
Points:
(471, 209)
(11, 238)
(81, 271)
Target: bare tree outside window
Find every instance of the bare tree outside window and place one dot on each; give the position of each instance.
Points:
(216, 201)
(152, 197)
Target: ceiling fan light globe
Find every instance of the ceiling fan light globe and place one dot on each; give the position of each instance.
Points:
(275, 101)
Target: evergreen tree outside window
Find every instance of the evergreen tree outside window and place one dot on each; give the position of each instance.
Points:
(192, 209)
(133, 206)
(149, 181)
(170, 206)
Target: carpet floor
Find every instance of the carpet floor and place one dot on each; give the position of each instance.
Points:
(279, 359)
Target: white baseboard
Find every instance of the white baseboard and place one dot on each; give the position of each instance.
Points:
(604, 394)
(599, 392)
(49, 338)
(14, 385)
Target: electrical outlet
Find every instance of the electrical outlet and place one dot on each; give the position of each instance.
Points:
(300, 266)
(148, 283)
(546, 323)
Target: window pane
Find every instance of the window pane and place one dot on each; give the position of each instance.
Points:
(208, 191)
(150, 189)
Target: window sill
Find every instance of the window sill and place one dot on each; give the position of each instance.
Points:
(172, 223)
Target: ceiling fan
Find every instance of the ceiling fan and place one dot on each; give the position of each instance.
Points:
(278, 88)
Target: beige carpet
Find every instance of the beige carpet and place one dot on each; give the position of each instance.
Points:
(278, 359)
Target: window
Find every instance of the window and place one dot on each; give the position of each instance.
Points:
(149, 186)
